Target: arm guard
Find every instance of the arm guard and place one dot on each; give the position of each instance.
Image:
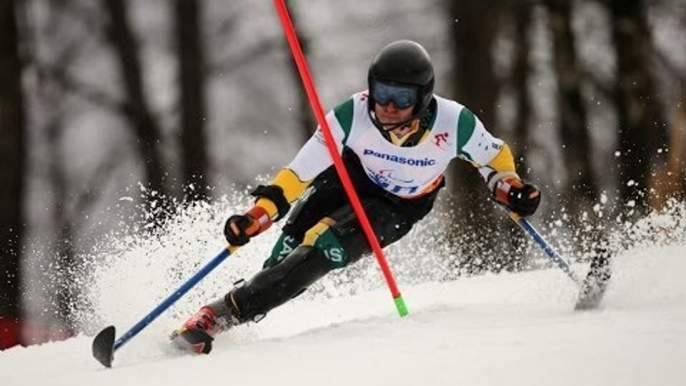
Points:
(274, 194)
(499, 168)
(276, 198)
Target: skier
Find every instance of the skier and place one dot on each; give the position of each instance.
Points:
(396, 140)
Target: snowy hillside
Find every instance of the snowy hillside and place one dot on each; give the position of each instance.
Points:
(516, 329)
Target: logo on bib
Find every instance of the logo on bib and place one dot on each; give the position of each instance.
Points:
(385, 180)
(440, 139)
(401, 160)
(390, 174)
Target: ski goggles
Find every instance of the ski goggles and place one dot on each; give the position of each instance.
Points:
(402, 96)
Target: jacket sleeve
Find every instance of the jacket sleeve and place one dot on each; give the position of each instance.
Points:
(489, 154)
(312, 159)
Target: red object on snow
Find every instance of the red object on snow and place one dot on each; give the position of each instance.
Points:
(18, 333)
(9, 333)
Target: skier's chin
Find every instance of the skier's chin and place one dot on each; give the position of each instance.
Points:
(390, 127)
(390, 123)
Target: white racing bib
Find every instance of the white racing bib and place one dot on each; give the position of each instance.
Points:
(404, 171)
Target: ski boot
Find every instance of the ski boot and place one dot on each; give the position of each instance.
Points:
(198, 332)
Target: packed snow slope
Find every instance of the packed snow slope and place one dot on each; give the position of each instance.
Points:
(516, 329)
(506, 329)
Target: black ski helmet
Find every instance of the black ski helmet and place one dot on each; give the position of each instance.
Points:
(404, 62)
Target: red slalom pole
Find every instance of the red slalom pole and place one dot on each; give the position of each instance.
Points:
(292, 38)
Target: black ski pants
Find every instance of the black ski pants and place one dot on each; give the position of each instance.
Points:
(323, 233)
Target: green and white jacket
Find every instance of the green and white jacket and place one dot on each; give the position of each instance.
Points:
(407, 172)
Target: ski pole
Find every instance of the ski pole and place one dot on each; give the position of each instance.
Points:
(311, 91)
(104, 344)
(541, 242)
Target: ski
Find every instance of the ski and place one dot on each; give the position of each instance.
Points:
(595, 284)
(593, 287)
(192, 340)
(104, 344)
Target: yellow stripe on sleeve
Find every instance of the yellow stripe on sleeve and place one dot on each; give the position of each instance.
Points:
(503, 161)
(292, 187)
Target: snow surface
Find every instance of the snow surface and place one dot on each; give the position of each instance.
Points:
(506, 329)
(513, 329)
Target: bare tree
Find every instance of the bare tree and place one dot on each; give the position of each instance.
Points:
(476, 86)
(473, 33)
(143, 123)
(520, 77)
(50, 57)
(521, 14)
(677, 160)
(64, 251)
(581, 190)
(306, 119)
(670, 183)
(12, 165)
(191, 56)
(641, 125)
(52, 98)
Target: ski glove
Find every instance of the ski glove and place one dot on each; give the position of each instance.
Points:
(522, 198)
(239, 228)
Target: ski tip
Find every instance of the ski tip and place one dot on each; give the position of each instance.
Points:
(103, 346)
(192, 340)
(587, 304)
(596, 282)
(592, 292)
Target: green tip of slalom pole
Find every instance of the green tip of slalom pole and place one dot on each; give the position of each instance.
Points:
(400, 305)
